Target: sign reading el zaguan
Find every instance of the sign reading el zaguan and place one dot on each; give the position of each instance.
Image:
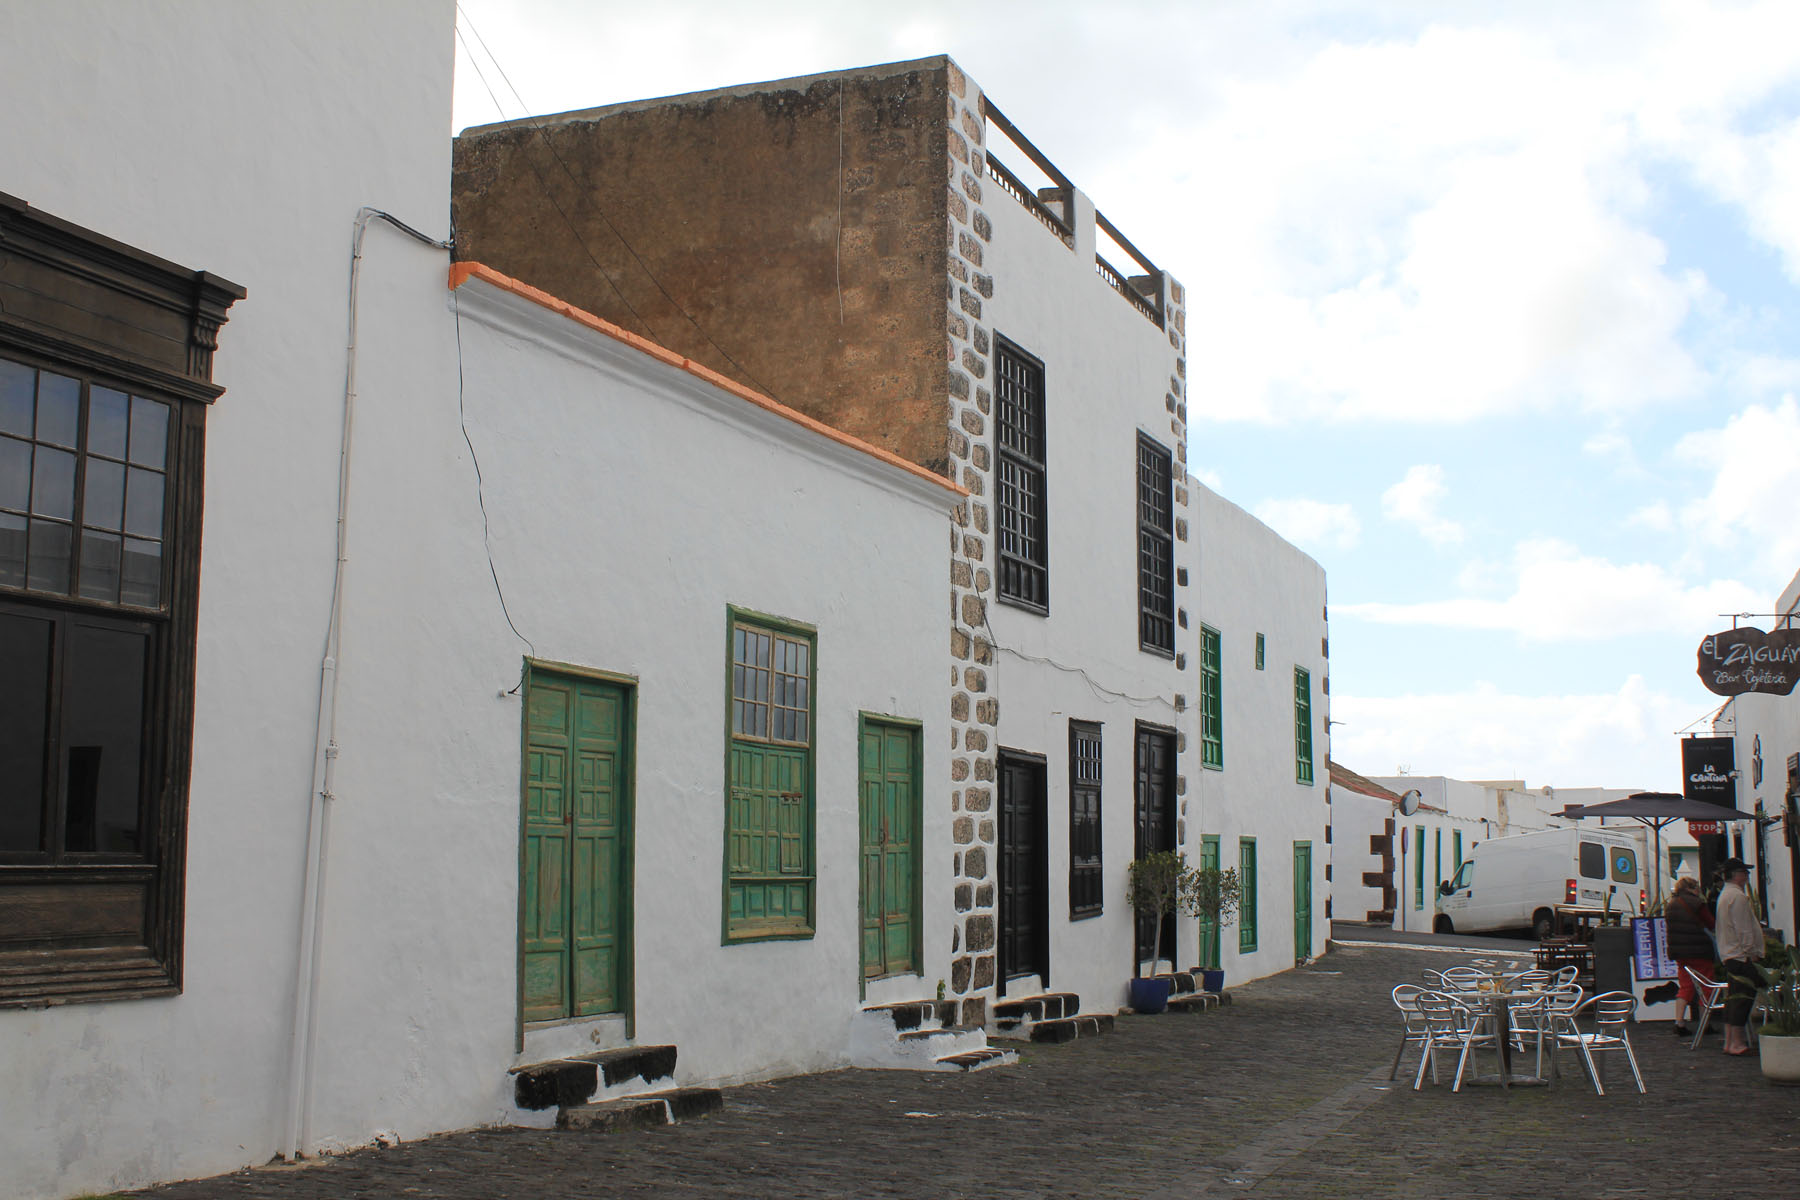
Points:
(1749, 660)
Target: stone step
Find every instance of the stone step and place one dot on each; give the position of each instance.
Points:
(1198, 1002)
(917, 1014)
(978, 1060)
(642, 1111)
(564, 1082)
(1067, 1029)
(1181, 982)
(1051, 1006)
(942, 1033)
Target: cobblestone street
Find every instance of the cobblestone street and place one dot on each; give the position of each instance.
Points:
(1284, 1094)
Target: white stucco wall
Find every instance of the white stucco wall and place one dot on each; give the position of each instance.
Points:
(1107, 372)
(1253, 581)
(629, 504)
(1356, 819)
(239, 139)
(1775, 722)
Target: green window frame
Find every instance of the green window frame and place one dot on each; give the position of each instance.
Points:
(1437, 854)
(1419, 869)
(1456, 848)
(1212, 712)
(1303, 745)
(1247, 900)
(1259, 651)
(1210, 941)
(770, 868)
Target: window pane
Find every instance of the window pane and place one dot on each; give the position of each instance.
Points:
(53, 484)
(24, 701)
(108, 412)
(103, 495)
(102, 743)
(149, 432)
(58, 409)
(141, 575)
(15, 473)
(144, 504)
(16, 383)
(12, 550)
(49, 561)
(100, 565)
(1592, 857)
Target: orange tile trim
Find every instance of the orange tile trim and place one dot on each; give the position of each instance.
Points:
(462, 272)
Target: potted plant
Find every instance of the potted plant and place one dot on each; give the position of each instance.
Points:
(1778, 1041)
(1213, 897)
(1158, 884)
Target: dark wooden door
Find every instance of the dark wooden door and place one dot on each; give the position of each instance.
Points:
(1024, 870)
(1155, 811)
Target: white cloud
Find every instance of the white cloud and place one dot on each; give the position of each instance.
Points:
(1750, 507)
(1560, 594)
(1311, 523)
(1414, 501)
(1656, 517)
(1619, 738)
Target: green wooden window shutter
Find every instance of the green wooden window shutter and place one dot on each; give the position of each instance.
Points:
(1209, 929)
(769, 813)
(1247, 902)
(1212, 712)
(1303, 748)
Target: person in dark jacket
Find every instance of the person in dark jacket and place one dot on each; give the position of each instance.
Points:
(1690, 945)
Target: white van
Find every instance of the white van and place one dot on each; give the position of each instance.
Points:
(1517, 882)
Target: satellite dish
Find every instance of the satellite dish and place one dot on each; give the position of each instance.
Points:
(1409, 802)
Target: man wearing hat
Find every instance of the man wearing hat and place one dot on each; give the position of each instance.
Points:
(1740, 939)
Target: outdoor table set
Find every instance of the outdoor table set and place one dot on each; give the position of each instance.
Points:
(1467, 1010)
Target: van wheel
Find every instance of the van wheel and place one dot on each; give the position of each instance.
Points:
(1442, 925)
(1543, 925)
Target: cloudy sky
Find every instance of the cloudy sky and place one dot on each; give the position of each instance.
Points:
(1492, 307)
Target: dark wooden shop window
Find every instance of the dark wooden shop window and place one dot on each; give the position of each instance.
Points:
(1086, 889)
(105, 376)
(1023, 539)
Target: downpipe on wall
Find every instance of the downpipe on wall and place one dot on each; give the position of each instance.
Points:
(297, 1130)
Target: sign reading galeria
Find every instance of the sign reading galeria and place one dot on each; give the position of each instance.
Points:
(1749, 660)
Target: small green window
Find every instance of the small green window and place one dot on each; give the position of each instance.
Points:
(1456, 848)
(1212, 725)
(769, 867)
(1419, 870)
(1259, 651)
(1209, 929)
(1303, 746)
(1247, 900)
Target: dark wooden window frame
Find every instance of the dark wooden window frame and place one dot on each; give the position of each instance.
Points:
(93, 927)
(1021, 476)
(1156, 547)
(1087, 895)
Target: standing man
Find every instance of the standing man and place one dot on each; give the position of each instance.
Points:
(1740, 939)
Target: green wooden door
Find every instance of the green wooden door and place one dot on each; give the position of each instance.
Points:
(577, 809)
(1209, 928)
(1302, 901)
(890, 844)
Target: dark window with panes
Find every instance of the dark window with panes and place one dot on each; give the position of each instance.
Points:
(1086, 893)
(100, 476)
(1156, 548)
(1303, 747)
(1023, 543)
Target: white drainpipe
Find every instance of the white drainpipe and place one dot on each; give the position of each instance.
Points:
(297, 1131)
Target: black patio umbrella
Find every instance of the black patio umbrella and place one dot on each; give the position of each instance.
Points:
(1656, 810)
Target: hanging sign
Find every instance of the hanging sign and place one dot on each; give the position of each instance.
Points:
(1749, 660)
(1706, 769)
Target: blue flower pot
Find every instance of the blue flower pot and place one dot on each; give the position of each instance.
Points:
(1149, 996)
(1212, 979)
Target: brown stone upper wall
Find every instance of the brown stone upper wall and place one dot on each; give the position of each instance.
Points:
(732, 201)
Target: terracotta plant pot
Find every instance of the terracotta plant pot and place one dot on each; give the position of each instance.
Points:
(1780, 1057)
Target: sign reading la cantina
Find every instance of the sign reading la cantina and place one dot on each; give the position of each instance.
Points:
(1749, 660)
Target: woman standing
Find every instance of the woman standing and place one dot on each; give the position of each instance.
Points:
(1690, 945)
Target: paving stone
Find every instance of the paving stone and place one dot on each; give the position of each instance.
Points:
(1278, 1096)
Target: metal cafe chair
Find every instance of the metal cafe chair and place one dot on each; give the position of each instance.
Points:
(1531, 1022)
(1453, 1025)
(1612, 1012)
(1712, 1000)
(1464, 979)
(1414, 1031)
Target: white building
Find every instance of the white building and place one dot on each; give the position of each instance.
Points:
(1365, 824)
(223, 937)
(980, 329)
(1766, 733)
(1264, 804)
